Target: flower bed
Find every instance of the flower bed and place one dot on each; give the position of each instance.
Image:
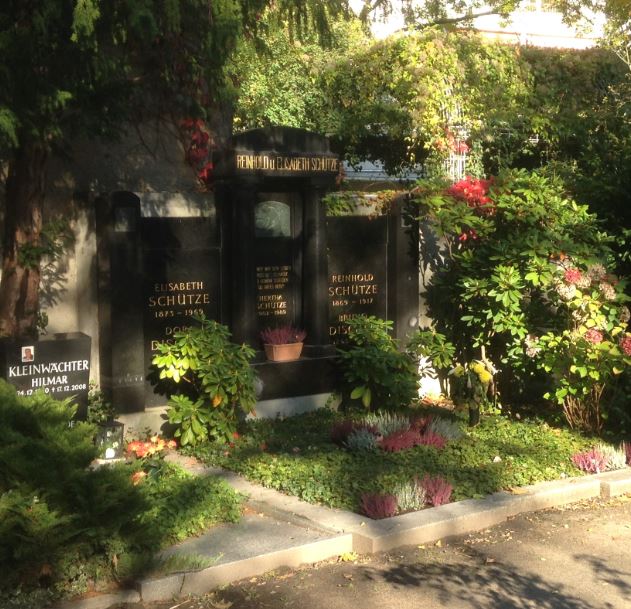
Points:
(308, 456)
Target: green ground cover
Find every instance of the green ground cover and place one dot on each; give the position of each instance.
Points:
(296, 455)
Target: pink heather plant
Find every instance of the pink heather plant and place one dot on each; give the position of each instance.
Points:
(430, 438)
(377, 506)
(437, 490)
(591, 461)
(283, 335)
(400, 440)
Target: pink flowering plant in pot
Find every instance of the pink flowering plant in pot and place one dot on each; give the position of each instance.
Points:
(284, 343)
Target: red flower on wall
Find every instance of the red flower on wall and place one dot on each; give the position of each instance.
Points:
(198, 150)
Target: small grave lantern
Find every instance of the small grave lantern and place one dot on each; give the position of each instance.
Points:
(110, 440)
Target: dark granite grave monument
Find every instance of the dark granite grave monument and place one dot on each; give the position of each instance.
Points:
(58, 364)
(159, 265)
(270, 188)
(258, 252)
(372, 270)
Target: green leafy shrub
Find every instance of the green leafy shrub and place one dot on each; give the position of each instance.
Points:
(508, 289)
(212, 382)
(434, 352)
(375, 372)
(100, 409)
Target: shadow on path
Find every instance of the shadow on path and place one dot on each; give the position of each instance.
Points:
(482, 587)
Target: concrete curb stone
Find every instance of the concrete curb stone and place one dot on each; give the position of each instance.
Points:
(615, 483)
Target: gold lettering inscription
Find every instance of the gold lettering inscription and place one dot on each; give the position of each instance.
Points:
(321, 164)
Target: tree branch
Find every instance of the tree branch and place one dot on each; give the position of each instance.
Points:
(453, 20)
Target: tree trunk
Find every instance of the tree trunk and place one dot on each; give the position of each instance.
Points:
(19, 286)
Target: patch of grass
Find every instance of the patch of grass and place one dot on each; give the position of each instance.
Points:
(295, 455)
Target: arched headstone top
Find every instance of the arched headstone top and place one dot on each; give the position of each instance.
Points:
(278, 152)
(281, 139)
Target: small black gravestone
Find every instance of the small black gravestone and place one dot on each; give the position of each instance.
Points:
(58, 365)
(358, 271)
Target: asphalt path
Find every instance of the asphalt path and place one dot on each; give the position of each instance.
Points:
(574, 557)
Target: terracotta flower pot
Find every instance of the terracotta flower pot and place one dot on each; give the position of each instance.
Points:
(283, 353)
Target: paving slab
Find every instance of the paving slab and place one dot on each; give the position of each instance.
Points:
(256, 544)
(253, 535)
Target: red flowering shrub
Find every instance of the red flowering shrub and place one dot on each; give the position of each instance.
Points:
(591, 461)
(400, 440)
(572, 275)
(474, 192)
(198, 149)
(430, 438)
(437, 490)
(377, 506)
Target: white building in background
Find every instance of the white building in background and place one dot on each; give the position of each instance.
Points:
(535, 23)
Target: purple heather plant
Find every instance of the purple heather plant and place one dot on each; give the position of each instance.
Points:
(437, 490)
(283, 335)
(377, 506)
(430, 438)
(400, 440)
(591, 461)
(342, 429)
